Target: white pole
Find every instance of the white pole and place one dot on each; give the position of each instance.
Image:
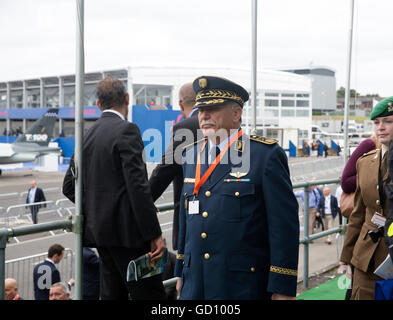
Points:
(79, 83)
(130, 90)
(348, 88)
(254, 67)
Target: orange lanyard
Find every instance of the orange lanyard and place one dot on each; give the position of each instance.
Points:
(198, 181)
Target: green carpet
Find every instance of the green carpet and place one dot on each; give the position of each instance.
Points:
(333, 289)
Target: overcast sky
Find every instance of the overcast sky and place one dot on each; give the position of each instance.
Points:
(38, 36)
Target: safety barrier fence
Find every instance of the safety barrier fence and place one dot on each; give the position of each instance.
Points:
(22, 270)
(72, 223)
(307, 238)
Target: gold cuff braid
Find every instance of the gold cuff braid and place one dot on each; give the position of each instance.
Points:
(180, 256)
(290, 272)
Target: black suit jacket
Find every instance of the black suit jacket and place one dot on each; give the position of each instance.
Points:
(333, 206)
(170, 168)
(91, 275)
(38, 197)
(44, 275)
(118, 209)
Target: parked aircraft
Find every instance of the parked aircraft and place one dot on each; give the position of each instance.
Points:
(33, 143)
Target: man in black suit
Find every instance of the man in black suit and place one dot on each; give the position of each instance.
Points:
(170, 167)
(45, 273)
(328, 210)
(35, 194)
(91, 275)
(120, 218)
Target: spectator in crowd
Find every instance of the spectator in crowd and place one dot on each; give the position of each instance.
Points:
(328, 210)
(91, 274)
(35, 194)
(317, 147)
(59, 291)
(325, 148)
(45, 273)
(184, 133)
(313, 201)
(228, 226)
(11, 289)
(338, 149)
(120, 218)
(364, 247)
(339, 191)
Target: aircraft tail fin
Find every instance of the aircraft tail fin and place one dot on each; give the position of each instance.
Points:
(41, 131)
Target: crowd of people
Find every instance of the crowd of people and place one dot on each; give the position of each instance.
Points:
(235, 224)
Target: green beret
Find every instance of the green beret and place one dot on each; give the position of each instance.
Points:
(383, 108)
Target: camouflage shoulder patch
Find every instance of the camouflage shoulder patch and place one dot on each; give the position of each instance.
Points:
(262, 139)
(192, 144)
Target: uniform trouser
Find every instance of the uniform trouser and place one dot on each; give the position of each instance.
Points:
(113, 270)
(34, 214)
(363, 285)
(311, 220)
(328, 223)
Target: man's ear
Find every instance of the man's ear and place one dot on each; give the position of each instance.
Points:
(99, 105)
(181, 104)
(238, 112)
(127, 99)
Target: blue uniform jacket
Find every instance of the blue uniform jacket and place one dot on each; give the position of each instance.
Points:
(244, 242)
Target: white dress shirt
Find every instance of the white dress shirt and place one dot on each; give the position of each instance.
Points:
(32, 194)
(328, 209)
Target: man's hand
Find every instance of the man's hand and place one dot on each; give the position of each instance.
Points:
(178, 287)
(157, 249)
(278, 296)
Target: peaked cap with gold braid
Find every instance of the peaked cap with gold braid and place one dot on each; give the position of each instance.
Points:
(214, 91)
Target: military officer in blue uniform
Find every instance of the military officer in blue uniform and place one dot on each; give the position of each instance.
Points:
(238, 223)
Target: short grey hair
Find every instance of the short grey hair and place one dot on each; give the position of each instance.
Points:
(62, 285)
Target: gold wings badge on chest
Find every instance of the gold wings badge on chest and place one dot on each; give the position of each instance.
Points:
(238, 174)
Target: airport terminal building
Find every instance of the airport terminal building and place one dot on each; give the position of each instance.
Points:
(284, 99)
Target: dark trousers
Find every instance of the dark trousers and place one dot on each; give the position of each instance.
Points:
(34, 214)
(113, 270)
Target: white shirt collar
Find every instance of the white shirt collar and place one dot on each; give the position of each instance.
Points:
(222, 144)
(192, 111)
(47, 259)
(115, 112)
(384, 149)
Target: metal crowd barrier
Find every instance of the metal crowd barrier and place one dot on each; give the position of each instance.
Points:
(73, 224)
(307, 238)
(22, 270)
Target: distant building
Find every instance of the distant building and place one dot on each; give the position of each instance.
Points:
(359, 106)
(283, 103)
(323, 87)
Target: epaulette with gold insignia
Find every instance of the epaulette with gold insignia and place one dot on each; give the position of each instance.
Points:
(192, 144)
(262, 139)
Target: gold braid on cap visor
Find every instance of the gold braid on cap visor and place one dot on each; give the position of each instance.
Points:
(215, 95)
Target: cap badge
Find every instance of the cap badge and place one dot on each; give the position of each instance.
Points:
(390, 107)
(202, 83)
